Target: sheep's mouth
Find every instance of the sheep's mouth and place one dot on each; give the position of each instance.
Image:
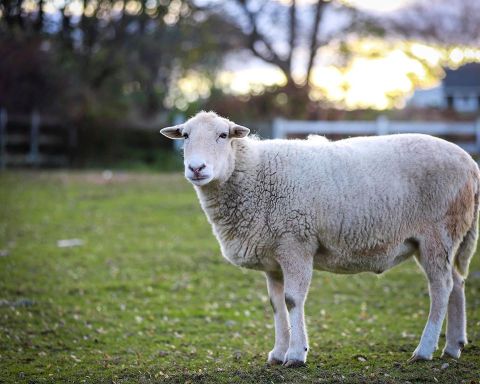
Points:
(199, 180)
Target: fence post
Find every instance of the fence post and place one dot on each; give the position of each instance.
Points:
(382, 125)
(477, 135)
(277, 129)
(72, 143)
(3, 137)
(34, 135)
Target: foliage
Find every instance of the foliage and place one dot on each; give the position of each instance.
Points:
(109, 61)
(110, 146)
(148, 298)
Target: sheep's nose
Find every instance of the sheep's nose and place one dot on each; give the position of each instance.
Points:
(197, 170)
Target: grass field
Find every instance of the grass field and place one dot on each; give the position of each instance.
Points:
(148, 297)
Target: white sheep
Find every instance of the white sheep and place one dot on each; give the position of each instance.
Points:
(287, 207)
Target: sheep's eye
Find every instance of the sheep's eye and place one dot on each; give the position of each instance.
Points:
(223, 136)
(185, 135)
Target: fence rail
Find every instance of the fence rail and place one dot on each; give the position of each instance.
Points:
(34, 140)
(465, 134)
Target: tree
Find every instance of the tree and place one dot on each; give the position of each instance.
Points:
(293, 34)
(439, 22)
(107, 60)
(290, 35)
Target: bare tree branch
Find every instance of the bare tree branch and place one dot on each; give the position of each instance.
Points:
(40, 16)
(293, 33)
(314, 42)
(442, 22)
(255, 36)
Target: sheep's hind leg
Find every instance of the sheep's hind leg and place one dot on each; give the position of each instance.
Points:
(456, 321)
(297, 273)
(436, 261)
(282, 333)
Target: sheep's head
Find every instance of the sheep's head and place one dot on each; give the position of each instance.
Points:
(208, 153)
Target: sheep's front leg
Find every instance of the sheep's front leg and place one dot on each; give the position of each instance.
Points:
(282, 333)
(297, 274)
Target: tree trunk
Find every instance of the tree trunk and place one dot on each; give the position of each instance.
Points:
(39, 21)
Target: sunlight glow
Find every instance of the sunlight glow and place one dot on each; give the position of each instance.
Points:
(368, 83)
(90, 9)
(369, 5)
(74, 8)
(380, 76)
(456, 56)
(371, 82)
(29, 6)
(194, 85)
(379, 5)
(424, 52)
(133, 7)
(250, 80)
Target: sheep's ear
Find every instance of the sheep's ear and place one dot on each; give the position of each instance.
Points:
(238, 131)
(174, 132)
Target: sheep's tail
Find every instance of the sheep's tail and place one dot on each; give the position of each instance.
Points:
(469, 243)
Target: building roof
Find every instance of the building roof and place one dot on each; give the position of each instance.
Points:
(467, 75)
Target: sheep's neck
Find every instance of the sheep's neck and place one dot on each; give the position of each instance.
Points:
(225, 203)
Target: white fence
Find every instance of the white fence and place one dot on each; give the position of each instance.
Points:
(464, 134)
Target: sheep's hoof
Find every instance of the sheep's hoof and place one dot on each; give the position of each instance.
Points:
(416, 357)
(453, 355)
(454, 352)
(275, 362)
(294, 364)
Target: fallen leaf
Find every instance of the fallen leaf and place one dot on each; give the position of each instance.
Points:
(360, 358)
(75, 358)
(68, 243)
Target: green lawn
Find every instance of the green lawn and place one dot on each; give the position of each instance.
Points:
(148, 297)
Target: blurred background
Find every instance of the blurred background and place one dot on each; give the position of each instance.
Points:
(88, 83)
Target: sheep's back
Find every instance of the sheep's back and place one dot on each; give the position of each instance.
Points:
(380, 188)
